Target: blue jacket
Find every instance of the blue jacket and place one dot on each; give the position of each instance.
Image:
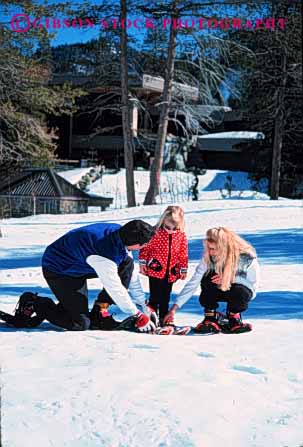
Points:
(67, 255)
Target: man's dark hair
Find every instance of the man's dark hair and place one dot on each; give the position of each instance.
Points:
(136, 232)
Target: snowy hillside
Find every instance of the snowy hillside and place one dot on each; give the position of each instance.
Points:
(99, 389)
(175, 186)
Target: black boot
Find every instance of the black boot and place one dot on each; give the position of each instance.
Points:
(235, 324)
(210, 324)
(24, 311)
(101, 319)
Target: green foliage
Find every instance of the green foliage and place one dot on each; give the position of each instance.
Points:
(267, 86)
(27, 97)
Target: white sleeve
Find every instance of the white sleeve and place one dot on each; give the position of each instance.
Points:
(191, 286)
(107, 271)
(135, 289)
(253, 275)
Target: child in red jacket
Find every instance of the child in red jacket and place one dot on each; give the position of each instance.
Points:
(165, 258)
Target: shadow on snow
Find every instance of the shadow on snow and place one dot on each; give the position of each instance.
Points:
(273, 305)
(278, 247)
(273, 247)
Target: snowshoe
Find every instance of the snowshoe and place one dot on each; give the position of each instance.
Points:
(207, 327)
(18, 322)
(173, 330)
(7, 318)
(182, 330)
(129, 324)
(165, 330)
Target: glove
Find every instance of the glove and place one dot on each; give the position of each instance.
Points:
(151, 313)
(143, 323)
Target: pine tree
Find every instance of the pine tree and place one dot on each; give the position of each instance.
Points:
(208, 75)
(26, 96)
(271, 95)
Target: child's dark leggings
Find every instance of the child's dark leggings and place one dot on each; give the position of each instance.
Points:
(237, 297)
(160, 290)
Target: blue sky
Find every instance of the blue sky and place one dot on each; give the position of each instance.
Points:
(65, 35)
(77, 34)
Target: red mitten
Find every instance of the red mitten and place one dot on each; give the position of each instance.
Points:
(151, 313)
(143, 323)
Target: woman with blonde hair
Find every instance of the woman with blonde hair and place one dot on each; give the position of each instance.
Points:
(228, 272)
(165, 258)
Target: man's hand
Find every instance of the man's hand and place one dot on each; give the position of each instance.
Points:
(151, 313)
(143, 323)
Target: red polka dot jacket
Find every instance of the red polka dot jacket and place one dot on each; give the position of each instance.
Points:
(166, 255)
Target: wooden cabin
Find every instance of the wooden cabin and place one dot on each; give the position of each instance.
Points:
(43, 191)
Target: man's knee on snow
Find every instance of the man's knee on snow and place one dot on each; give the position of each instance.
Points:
(82, 323)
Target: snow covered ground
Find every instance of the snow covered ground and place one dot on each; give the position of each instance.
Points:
(98, 389)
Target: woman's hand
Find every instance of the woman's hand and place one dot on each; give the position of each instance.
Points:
(216, 279)
(183, 275)
(170, 316)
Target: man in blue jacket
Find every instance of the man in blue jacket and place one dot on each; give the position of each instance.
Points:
(97, 250)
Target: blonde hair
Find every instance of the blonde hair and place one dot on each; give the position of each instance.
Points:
(229, 247)
(175, 215)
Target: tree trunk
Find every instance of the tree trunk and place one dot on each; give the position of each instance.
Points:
(127, 133)
(156, 167)
(278, 135)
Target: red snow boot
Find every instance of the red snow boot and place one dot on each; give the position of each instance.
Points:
(210, 324)
(236, 325)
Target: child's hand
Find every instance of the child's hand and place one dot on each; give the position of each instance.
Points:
(143, 269)
(183, 275)
(216, 279)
